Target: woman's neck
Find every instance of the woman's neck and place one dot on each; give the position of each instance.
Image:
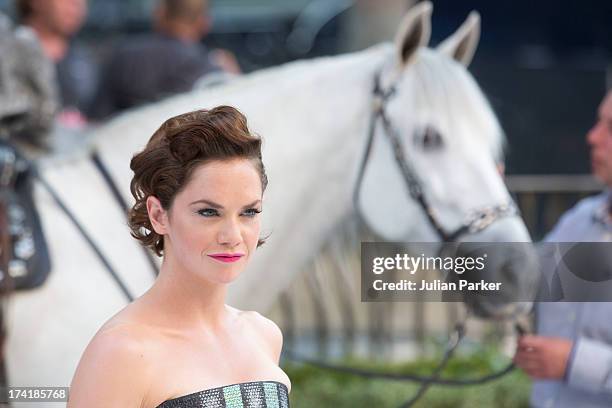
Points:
(186, 300)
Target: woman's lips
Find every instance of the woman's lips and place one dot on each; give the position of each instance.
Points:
(226, 257)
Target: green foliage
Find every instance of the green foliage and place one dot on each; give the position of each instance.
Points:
(315, 387)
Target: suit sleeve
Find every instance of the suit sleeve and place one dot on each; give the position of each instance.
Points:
(590, 366)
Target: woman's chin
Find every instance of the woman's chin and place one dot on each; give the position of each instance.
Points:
(225, 275)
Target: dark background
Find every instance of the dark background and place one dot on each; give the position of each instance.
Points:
(542, 64)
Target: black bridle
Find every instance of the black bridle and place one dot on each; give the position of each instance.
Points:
(476, 221)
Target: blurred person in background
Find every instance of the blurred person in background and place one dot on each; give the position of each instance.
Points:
(168, 61)
(28, 90)
(55, 23)
(570, 357)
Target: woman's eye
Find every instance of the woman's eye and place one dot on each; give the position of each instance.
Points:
(208, 212)
(251, 212)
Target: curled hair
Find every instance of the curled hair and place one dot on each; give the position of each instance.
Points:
(181, 144)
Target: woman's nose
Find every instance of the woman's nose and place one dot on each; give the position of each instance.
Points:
(230, 234)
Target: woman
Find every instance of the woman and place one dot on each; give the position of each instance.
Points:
(198, 186)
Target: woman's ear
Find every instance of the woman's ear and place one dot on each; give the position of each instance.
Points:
(157, 215)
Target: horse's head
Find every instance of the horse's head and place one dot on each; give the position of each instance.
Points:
(448, 135)
(432, 169)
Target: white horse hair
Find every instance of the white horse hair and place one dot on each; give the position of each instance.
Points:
(313, 117)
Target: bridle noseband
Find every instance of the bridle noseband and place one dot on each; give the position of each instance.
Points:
(475, 221)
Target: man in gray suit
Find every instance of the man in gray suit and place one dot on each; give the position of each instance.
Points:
(570, 358)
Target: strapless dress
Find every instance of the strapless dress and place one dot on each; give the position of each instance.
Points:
(256, 394)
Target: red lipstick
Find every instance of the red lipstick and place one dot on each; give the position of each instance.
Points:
(226, 257)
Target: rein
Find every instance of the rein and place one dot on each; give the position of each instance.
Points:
(112, 186)
(92, 244)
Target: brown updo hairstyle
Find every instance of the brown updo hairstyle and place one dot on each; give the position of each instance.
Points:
(175, 150)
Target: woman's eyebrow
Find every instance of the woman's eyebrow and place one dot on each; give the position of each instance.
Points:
(219, 206)
(211, 203)
(253, 204)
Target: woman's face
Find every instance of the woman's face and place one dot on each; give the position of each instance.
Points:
(212, 227)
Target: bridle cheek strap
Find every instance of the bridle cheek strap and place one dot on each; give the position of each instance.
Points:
(475, 222)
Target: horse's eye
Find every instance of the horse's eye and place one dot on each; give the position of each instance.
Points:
(429, 139)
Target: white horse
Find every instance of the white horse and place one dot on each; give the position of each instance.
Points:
(313, 116)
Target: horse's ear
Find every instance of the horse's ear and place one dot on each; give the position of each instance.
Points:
(462, 44)
(414, 31)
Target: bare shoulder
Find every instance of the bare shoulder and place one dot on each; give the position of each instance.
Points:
(268, 330)
(114, 369)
